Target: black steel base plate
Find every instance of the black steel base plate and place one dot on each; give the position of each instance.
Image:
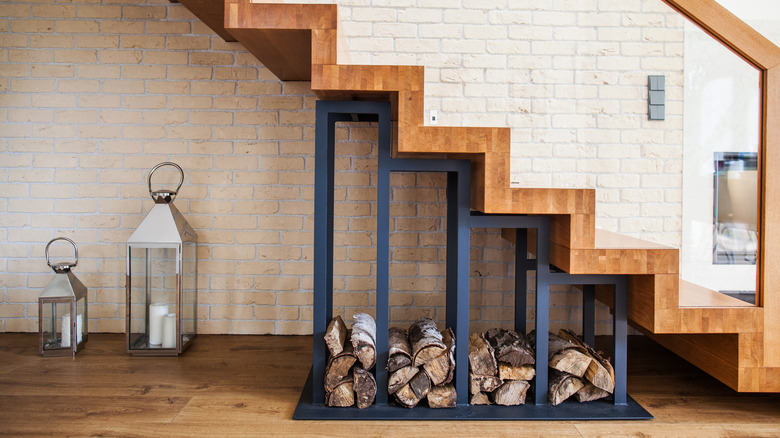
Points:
(569, 410)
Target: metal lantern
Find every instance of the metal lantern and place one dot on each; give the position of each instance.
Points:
(62, 309)
(162, 293)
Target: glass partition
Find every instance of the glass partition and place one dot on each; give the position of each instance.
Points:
(722, 120)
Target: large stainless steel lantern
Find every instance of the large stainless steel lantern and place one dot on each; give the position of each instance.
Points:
(162, 293)
(62, 309)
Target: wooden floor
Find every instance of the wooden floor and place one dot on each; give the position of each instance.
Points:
(249, 386)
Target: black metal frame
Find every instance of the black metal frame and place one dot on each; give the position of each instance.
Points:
(459, 223)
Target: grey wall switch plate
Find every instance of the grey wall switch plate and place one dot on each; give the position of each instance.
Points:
(656, 97)
(657, 112)
(656, 82)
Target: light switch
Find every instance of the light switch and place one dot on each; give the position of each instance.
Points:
(656, 97)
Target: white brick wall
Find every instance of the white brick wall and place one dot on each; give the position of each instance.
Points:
(571, 75)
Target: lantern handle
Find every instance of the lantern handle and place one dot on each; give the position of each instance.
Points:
(62, 266)
(166, 195)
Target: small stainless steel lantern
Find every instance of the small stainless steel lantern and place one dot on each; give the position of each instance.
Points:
(62, 309)
(162, 292)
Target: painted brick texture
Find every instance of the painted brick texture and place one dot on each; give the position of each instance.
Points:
(94, 93)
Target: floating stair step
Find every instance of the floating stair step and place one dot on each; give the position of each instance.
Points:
(695, 296)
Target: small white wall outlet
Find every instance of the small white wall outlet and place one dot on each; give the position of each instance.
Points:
(433, 117)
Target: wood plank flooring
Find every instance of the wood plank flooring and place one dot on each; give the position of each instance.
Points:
(249, 386)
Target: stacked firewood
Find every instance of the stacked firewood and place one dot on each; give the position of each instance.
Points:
(501, 362)
(421, 364)
(576, 369)
(348, 377)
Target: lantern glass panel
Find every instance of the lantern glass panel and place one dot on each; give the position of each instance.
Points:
(153, 293)
(81, 322)
(189, 302)
(52, 313)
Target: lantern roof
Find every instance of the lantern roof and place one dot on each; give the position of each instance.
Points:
(163, 225)
(64, 285)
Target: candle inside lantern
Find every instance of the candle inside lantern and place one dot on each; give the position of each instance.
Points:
(157, 314)
(169, 331)
(65, 330)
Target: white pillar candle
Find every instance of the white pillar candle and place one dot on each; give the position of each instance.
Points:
(157, 313)
(65, 330)
(169, 331)
(79, 328)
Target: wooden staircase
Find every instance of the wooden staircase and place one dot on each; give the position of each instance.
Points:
(722, 336)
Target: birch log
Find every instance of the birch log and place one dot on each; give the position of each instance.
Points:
(600, 371)
(481, 358)
(338, 367)
(364, 339)
(342, 395)
(511, 393)
(364, 386)
(399, 351)
(562, 386)
(589, 393)
(336, 335)
(426, 341)
(441, 369)
(443, 396)
(510, 347)
(400, 377)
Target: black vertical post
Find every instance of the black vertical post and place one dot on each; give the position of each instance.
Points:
(542, 309)
(452, 252)
(383, 250)
(521, 279)
(620, 331)
(589, 314)
(323, 244)
(459, 234)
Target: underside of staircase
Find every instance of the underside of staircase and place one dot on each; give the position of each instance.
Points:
(734, 342)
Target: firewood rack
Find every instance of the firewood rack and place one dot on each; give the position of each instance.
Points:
(460, 220)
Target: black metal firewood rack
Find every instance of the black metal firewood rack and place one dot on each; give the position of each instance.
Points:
(460, 220)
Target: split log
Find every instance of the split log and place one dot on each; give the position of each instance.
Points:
(572, 361)
(426, 341)
(398, 342)
(600, 376)
(443, 396)
(336, 335)
(479, 398)
(399, 351)
(364, 386)
(420, 384)
(589, 393)
(511, 393)
(364, 339)
(406, 397)
(342, 395)
(556, 345)
(397, 362)
(481, 358)
(338, 367)
(562, 386)
(400, 378)
(508, 372)
(600, 371)
(479, 383)
(441, 369)
(510, 347)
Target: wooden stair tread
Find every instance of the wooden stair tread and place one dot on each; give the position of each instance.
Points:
(695, 296)
(611, 240)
